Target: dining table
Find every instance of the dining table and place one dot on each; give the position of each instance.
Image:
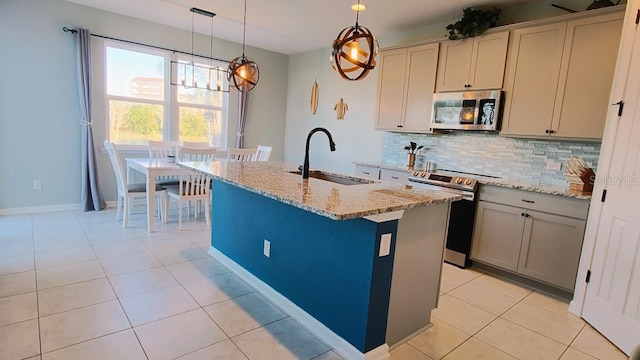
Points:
(152, 168)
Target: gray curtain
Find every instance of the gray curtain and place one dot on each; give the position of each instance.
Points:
(90, 196)
(244, 98)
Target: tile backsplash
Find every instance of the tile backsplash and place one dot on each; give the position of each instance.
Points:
(490, 154)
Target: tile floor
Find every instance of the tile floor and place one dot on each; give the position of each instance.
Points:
(75, 285)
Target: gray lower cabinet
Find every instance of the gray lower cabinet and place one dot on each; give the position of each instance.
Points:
(394, 176)
(367, 172)
(542, 245)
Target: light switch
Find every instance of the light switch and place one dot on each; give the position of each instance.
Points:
(385, 245)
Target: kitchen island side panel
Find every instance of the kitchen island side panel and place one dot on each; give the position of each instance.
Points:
(330, 269)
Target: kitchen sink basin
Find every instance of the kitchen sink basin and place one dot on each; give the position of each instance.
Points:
(335, 178)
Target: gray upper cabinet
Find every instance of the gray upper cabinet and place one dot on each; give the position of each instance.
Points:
(405, 88)
(559, 77)
(534, 235)
(473, 64)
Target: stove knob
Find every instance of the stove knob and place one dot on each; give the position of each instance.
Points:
(458, 180)
(415, 173)
(423, 174)
(468, 182)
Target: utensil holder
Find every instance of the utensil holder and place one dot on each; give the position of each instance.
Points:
(582, 183)
(411, 161)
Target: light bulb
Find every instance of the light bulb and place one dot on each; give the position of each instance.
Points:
(243, 72)
(355, 50)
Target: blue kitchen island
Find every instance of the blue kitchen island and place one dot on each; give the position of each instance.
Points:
(358, 265)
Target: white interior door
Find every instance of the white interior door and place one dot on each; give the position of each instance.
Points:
(612, 303)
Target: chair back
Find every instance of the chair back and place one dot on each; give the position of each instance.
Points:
(162, 149)
(194, 184)
(263, 153)
(197, 153)
(236, 154)
(116, 163)
(198, 144)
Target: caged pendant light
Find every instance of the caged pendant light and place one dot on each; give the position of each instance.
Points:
(243, 73)
(198, 76)
(354, 51)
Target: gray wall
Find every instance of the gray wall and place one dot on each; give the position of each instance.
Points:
(39, 117)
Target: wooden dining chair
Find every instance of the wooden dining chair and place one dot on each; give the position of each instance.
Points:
(193, 186)
(237, 154)
(263, 153)
(188, 153)
(128, 192)
(162, 150)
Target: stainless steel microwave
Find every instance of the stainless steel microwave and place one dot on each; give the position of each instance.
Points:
(466, 110)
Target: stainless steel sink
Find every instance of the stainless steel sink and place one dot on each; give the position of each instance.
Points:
(335, 178)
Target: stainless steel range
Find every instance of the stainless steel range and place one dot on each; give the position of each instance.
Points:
(462, 215)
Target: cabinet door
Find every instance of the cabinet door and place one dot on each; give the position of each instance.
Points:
(588, 63)
(367, 172)
(533, 71)
(454, 64)
(488, 61)
(497, 235)
(391, 89)
(422, 62)
(551, 247)
(394, 176)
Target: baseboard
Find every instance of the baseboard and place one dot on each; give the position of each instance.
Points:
(339, 345)
(40, 209)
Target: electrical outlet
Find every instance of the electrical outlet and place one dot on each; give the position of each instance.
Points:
(385, 245)
(267, 248)
(37, 184)
(554, 166)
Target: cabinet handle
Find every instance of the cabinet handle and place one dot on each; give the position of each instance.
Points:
(399, 126)
(527, 215)
(522, 214)
(366, 173)
(395, 177)
(528, 201)
(546, 131)
(551, 131)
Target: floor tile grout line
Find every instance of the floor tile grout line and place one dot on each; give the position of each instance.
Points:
(35, 276)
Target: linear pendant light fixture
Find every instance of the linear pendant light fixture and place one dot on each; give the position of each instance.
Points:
(354, 51)
(243, 73)
(198, 76)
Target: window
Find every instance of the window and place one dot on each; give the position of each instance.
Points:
(142, 104)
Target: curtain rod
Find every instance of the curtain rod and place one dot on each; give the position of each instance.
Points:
(73, 31)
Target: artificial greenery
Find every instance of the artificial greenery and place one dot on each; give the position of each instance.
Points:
(474, 22)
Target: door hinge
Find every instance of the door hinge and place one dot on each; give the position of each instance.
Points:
(604, 195)
(588, 276)
(620, 107)
(638, 17)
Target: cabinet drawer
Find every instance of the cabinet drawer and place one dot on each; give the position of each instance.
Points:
(541, 202)
(394, 176)
(367, 172)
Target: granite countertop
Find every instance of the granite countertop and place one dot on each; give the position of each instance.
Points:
(502, 182)
(335, 201)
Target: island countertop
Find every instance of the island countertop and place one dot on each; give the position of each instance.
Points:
(272, 179)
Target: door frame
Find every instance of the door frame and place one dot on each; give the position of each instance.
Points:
(623, 63)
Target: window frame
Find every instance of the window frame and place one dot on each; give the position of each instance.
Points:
(171, 105)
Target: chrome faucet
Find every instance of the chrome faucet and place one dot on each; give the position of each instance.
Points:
(332, 145)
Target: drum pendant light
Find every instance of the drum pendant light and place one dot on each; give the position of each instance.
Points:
(354, 51)
(243, 73)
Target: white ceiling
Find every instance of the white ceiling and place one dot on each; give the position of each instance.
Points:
(292, 26)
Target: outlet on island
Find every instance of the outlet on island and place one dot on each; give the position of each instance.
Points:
(267, 248)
